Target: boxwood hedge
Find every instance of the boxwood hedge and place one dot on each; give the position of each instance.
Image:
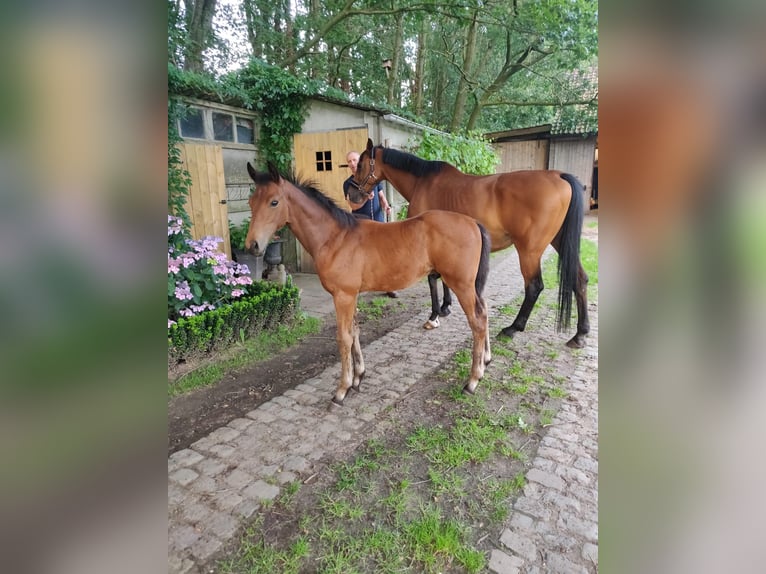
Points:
(265, 306)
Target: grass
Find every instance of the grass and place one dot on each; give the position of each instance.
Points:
(423, 497)
(374, 308)
(589, 259)
(288, 493)
(510, 309)
(546, 417)
(556, 393)
(372, 517)
(261, 558)
(246, 352)
(497, 493)
(462, 360)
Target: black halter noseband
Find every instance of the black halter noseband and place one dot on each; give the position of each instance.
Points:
(371, 175)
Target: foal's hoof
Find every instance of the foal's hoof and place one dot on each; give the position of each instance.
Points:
(336, 402)
(356, 385)
(431, 324)
(468, 392)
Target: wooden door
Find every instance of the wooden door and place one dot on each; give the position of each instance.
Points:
(206, 204)
(321, 157)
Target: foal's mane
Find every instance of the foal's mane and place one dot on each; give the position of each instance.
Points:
(341, 216)
(410, 163)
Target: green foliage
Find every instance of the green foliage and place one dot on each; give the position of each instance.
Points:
(179, 180)
(518, 77)
(282, 102)
(263, 307)
(238, 234)
(280, 99)
(470, 153)
(206, 87)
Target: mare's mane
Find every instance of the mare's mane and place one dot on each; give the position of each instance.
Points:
(411, 163)
(341, 216)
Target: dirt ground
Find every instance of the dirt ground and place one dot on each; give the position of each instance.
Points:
(194, 415)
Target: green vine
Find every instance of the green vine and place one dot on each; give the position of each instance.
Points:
(280, 99)
(282, 103)
(179, 180)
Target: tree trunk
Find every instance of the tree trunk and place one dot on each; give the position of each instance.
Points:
(393, 98)
(463, 86)
(289, 48)
(199, 25)
(420, 66)
(250, 28)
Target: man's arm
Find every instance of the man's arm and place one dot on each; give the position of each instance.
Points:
(383, 201)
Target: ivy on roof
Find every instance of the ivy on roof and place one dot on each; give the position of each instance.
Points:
(251, 87)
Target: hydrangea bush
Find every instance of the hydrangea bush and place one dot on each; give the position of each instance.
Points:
(200, 277)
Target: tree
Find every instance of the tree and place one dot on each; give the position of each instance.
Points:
(459, 65)
(199, 32)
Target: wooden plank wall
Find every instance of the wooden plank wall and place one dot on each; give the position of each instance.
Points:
(516, 155)
(575, 156)
(206, 203)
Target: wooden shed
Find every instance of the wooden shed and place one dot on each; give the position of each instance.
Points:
(227, 137)
(544, 147)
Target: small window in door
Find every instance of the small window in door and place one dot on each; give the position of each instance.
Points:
(324, 160)
(193, 124)
(245, 131)
(223, 127)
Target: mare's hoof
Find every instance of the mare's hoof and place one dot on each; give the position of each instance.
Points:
(576, 342)
(445, 311)
(431, 324)
(507, 333)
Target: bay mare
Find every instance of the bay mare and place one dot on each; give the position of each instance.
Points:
(352, 256)
(529, 209)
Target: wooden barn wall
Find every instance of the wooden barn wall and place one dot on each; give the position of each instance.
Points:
(529, 154)
(575, 157)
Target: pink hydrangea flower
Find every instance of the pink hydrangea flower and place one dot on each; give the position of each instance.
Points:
(183, 291)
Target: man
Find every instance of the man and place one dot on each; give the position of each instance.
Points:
(376, 204)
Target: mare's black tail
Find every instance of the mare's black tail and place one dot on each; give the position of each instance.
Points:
(483, 271)
(569, 251)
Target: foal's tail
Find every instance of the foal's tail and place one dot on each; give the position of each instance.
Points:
(569, 251)
(483, 271)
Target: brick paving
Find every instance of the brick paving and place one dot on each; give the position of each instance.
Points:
(554, 523)
(223, 478)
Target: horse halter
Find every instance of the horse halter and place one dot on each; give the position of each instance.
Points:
(370, 175)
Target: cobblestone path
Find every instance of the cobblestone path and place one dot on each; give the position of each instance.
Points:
(224, 477)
